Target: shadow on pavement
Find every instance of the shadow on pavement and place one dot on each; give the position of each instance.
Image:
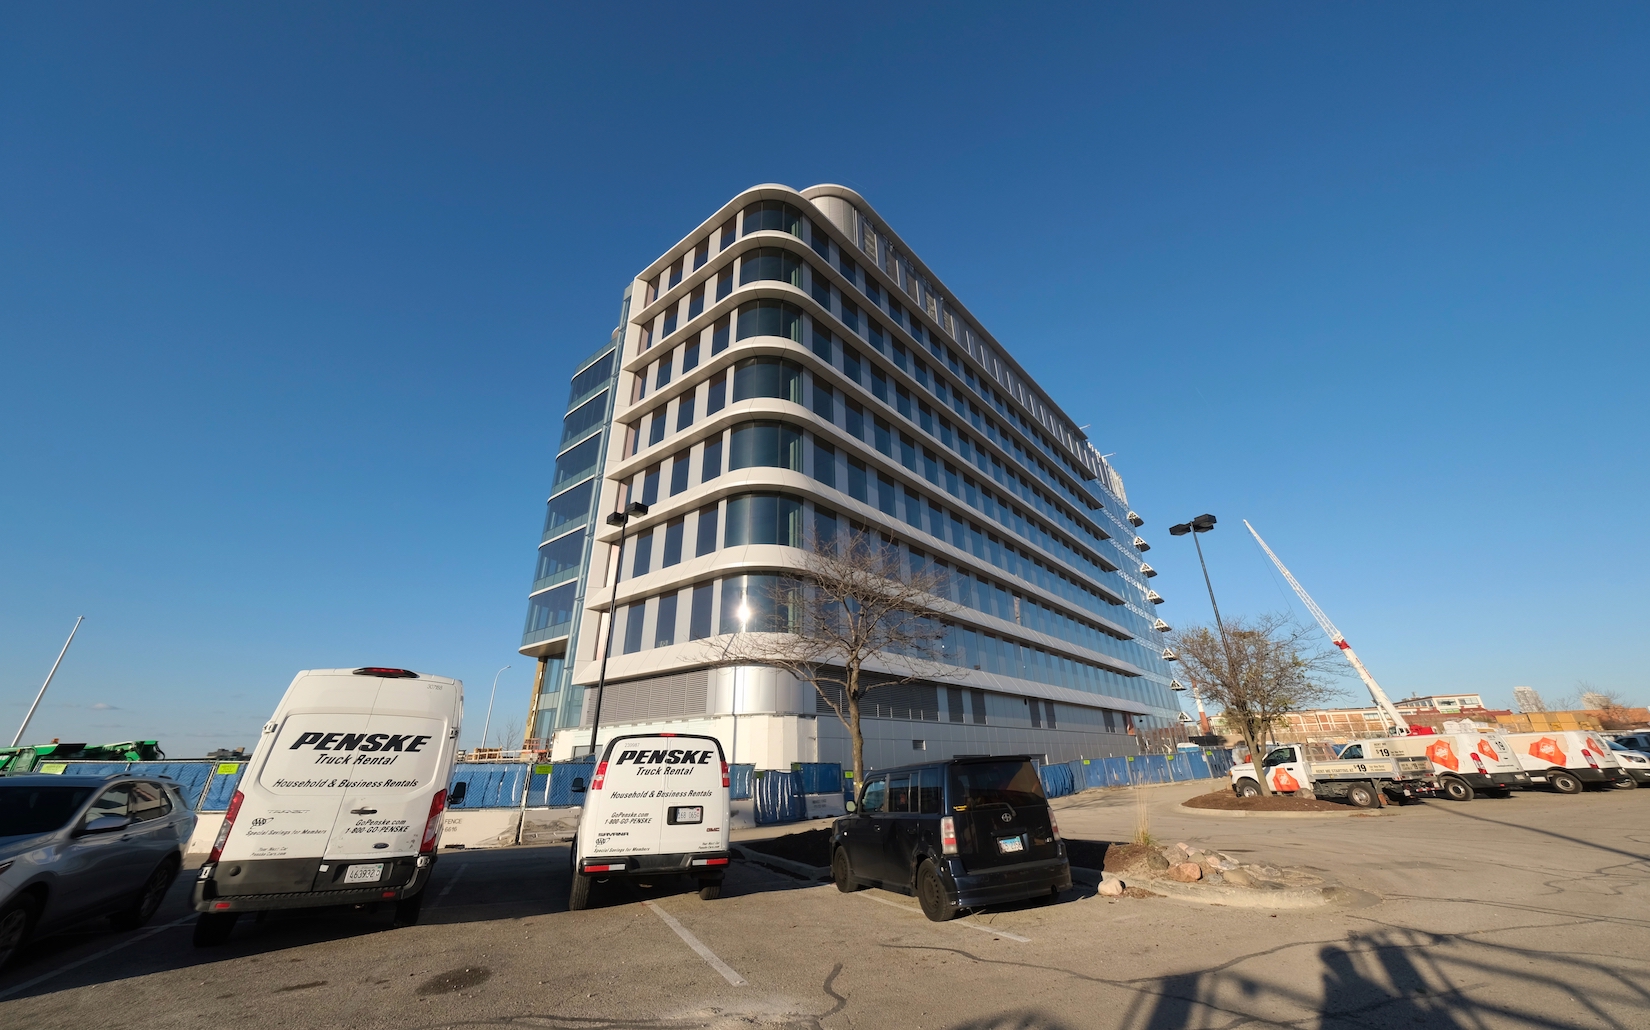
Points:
(1401, 978)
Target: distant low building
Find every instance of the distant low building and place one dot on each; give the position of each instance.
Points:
(1528, 700)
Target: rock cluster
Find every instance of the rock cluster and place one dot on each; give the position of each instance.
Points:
(1183, 863)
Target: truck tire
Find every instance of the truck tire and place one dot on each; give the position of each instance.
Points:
(1563, 781)
(932, 895)
(1363, 795)
(213, 928)
(710, 890)
(1457, 789)
(407, 910)
(1247, 788)
(578, 895)
(843, 873)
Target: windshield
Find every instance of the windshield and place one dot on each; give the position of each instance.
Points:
(25, 810)
(985, 783)
(1617, 747)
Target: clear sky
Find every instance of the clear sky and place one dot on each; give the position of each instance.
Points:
(290, 295)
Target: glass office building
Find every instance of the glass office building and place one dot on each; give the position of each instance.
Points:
(789, 367)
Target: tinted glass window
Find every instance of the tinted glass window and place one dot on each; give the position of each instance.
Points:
(774, 215)
(665, 633)
(39, 809)
(770, 263)
(149, 801)
(928, 792)
(673, 544)
(899, 793)
(767, 377)
(707, 531)
(769, 318)
(559, 555)
(765, 444)
(114, 801)
(699, 621)
(578, 462)
(764, 519)
(551, 608)
(633, 627)
(571, 507)
(987, 783)
(598, 373)
(584, 418)
(876, 795)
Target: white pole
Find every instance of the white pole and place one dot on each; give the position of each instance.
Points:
(78, 620)
(489, 720)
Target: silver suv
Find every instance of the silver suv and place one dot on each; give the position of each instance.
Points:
(74, 848)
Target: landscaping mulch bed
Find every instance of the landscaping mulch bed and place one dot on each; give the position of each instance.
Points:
(810, 847)
(1226, 801)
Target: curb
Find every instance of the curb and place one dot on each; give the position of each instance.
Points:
(809, 872)
(1231, 897)
(1223, 814)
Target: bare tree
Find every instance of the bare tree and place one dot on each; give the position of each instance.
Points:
(854, 602)
(510, 733)
(1257, 670)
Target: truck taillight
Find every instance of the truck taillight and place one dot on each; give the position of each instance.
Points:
(432, 825)
(948, 836)
(1054, 824)
(223, 831)
(601, 774)
(725, 781)
(1480, 763)
(1590, 759)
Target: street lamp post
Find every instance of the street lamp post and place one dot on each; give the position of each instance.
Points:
(635, 510)
(1202, 524)
(488, 722)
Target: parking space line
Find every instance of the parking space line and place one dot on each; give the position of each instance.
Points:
(43, 977)
(693, 942)
(447, 888)
(954, 922)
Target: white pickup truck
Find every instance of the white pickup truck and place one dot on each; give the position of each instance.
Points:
(1363, 782)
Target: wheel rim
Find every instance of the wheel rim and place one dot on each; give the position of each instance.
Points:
(839, 867)
(932, 893)
(12, 926)
(154, 892)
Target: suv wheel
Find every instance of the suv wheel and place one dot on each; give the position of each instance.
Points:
(1457, 789)
(843, 873)
(16, 921)
(153, 892)
(931, 894)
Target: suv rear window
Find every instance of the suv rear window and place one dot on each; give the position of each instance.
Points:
(986, 783)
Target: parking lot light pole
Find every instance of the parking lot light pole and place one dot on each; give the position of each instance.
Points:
(1202, 524)
(487, 724)
(621, 519)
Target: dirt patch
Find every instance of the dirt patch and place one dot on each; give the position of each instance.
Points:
(1139, 892)
(454, 980)
(1226, 801)
(810, 847)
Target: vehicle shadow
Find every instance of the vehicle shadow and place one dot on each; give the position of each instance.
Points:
(1399, 978)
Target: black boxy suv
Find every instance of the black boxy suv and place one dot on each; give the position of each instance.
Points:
(958, 834)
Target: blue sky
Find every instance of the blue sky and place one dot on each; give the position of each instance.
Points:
(289, 298)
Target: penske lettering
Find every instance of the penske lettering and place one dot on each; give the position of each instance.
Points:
(675, 756)
(405, 742)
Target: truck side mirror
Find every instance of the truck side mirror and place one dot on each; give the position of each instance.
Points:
(456, 796)
(578, 785)
(851, 806)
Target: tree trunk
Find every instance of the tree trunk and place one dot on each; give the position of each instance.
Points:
(854, 733)
(1255, 757)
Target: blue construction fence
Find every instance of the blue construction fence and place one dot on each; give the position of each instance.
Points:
(779, 795)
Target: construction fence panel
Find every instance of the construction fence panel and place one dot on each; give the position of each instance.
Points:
(819, 777)
(1057, 780)
(779, 797)
(191, 777)
(739, 781)
(1180, 767)
(490, 784)
(559, 792)
(1199, 763)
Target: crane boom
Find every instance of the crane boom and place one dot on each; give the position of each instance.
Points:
(1382, 702)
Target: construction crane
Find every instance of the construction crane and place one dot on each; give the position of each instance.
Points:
(1382, 702)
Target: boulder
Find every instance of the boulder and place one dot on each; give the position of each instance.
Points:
(1186, 872)
(1237, 878)
(1112, 888)
(1126, 859)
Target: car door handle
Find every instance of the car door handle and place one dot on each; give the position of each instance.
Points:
(363, 811)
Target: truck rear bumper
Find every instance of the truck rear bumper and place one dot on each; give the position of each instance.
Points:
(709, 865)
(1495, 781)
(211, 896)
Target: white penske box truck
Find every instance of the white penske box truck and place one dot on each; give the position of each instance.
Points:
(656, 807)
(341, 802)
(1568, 761)
(1362, 782)
(1464, 764)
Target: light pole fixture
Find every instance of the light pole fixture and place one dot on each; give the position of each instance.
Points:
(487, 724)
(1202, 524)
(621, 519)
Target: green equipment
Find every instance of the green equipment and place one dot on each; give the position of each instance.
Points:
(30, 758)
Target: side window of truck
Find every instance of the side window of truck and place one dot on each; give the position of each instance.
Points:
(1355, 751)
(876, 796)
(1279, 757)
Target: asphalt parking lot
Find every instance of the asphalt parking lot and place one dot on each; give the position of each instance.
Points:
(1528, 912)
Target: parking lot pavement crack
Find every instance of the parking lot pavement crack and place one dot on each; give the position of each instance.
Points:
(841, 1000)
(1560, 914)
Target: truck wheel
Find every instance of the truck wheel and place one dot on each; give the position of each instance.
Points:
(152, 893)
(710, 890)
(16, 923)
(408, 909)
(843, 873)
(932, 895)
(1563, 782)
(1248, 789)
(212, 928)
(578, 896)
(1457, 789)
(1362, 795)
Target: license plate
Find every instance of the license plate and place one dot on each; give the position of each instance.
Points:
(364, 873)
(685, 815)
(1009, 845)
